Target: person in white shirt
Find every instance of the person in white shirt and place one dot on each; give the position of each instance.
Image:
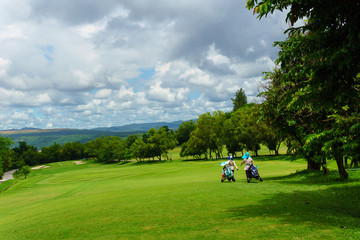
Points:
(231, 163)
(248, 161)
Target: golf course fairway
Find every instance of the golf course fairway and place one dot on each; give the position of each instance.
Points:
(180, 200)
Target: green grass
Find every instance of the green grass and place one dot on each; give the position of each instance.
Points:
(180, 200)
(7, 184)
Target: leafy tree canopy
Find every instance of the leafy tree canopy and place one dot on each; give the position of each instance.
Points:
(5, 144)
(316, 89)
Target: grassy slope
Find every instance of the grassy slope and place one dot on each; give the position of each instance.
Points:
(179, 200)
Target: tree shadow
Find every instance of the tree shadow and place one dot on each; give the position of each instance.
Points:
(151, 162)
(334, 206)
(280, 157)
(204, 160)
(311, 177)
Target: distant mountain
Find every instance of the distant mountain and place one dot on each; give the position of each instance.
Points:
(141, 126)
(46, 137)
(28, 128)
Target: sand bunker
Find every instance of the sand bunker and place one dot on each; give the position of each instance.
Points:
(79, 162)
(40, 167)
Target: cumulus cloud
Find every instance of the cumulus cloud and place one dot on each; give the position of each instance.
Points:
(83, 64)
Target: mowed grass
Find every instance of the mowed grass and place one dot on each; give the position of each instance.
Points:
(180, 200)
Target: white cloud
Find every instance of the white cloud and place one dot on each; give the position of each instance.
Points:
(4, 65)
(103, 93)
(86, 64)
(158, 93)
(215, 56)
(12, 31)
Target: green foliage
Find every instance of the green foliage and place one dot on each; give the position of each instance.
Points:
(184, 131)
(316, 89)
(249, 129)
(25, 170)
(107, 149)
(160, 141)
(195, 147)
(51, 153)
(139, 149)
(240, 99)
(272, 138)
(25, 154)
(232, 134)
(130, 140)
(5, 154)
(72, 151)
(207, 138)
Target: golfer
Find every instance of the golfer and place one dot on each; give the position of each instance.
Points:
(248, 161)
(231, 163)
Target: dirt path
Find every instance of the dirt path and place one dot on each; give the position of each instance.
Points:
(8, 175)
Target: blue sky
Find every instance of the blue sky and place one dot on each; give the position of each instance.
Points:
(86, 64)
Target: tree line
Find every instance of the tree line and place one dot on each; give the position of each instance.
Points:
(235, 131)
(205, 138)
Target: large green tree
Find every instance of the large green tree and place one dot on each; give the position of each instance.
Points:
(249, 129)
(317, 83)
(107, 149)
(139, 149)
(184, 130)
(208, 136)
(160, 141)
(232, 134)
(5, 154)
(72, 151)
(51, 153)
(26, 170)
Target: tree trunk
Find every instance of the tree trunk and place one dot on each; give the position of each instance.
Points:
(354, 162)
(312, 165)
(340, 163)
(346, 162)
(276, 152)
(277, 149)
(324, 168)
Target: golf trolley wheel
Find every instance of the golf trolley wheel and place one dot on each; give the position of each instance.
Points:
(261, 179)
(222, 179)
(233, 179)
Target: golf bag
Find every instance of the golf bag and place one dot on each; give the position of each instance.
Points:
(228, 174)
(253, 173)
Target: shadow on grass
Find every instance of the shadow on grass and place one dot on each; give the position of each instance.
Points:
(280, 157)
(311, 177)
(335, 206)
(151, 162)
(204, 160)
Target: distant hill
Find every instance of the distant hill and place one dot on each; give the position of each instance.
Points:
(141, 126)
(46, 137)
